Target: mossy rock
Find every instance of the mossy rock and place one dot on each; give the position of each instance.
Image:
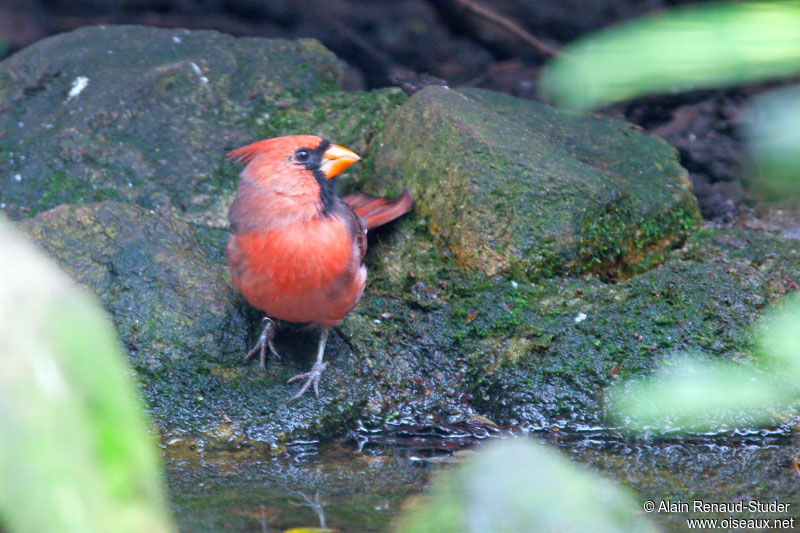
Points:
(347, 118)
(164, 283)
(440, 339)
(158, 110)
(486, 297)
(513, 186)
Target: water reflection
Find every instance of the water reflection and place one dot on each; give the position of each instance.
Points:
(362, 482)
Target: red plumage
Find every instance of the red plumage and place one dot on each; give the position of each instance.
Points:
(378, 211)
(295, 250)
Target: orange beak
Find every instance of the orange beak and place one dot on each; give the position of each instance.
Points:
(335, 159)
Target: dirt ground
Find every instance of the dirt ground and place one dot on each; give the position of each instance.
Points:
(386, 42)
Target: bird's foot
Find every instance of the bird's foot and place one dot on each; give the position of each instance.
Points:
(264, 342)
(312, 378)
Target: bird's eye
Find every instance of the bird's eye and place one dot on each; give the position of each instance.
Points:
(302, 155)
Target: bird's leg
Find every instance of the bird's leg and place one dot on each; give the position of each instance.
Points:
(312, 376)
(316, 506)
(264, 341)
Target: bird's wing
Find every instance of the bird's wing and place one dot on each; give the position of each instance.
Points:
(358, 229)
(378, 211)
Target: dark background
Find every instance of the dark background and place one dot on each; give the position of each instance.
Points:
(385, 42)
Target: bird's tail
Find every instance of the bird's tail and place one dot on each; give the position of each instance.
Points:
(378, 211)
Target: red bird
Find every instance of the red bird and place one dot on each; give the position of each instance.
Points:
(295, 249)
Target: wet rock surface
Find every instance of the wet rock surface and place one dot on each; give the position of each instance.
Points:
(479, 301)
(540, 354)
(165, 285)
(142, 115)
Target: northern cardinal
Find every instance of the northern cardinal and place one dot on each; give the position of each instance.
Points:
(295, 248)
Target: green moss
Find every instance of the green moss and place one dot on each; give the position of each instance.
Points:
(168, 82)
(513, 187)
(57, 184)
(622, 241)
(228, 175)
(63, 188)
(347, 118)
(552, 345)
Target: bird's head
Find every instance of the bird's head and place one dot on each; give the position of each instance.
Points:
(292, 175)
(318, 155)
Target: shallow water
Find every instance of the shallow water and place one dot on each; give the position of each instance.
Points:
(727, 467)
(333, 486)
(361, 483)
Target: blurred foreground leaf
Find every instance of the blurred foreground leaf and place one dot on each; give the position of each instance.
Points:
(74, 450)
(518, 485)
(773, 132)
(700, 394)
(714, 44)
(779, 338)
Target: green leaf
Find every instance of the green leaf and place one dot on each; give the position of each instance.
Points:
(519, 485)
(700, 394)
(779, 337)
(680, 49)
(773, 131)
(75, 454)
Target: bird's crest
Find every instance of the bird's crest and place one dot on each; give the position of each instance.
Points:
(245, 154)
(279, 147)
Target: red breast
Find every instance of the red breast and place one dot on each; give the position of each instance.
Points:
(295, 250)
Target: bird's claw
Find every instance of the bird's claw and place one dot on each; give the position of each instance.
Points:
(312, 377)
(264, 341)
